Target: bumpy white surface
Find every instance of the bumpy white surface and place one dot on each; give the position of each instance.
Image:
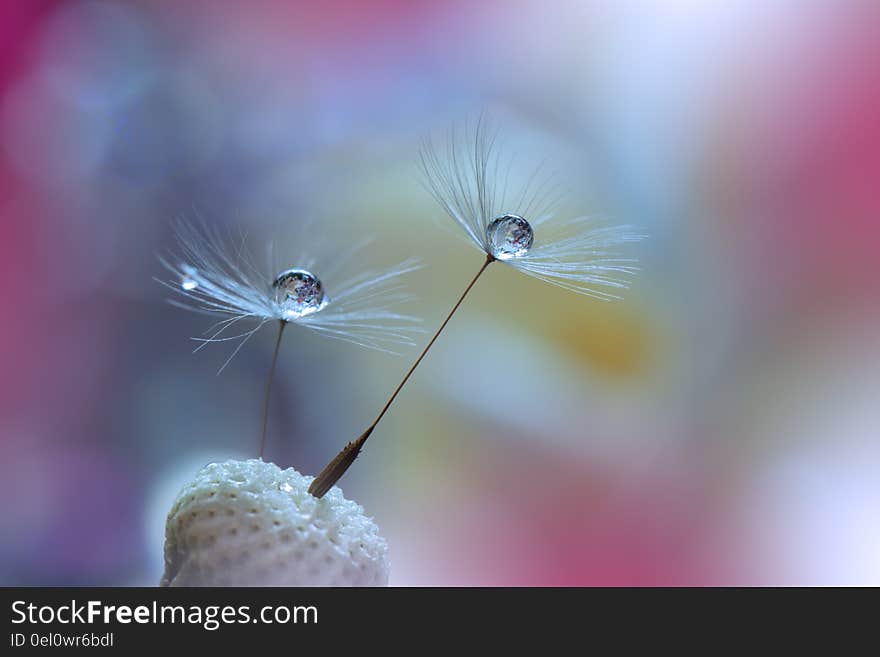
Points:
(249, 523)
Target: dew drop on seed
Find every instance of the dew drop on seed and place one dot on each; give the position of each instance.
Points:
(188, 280)
(298, 293)
(509, 236)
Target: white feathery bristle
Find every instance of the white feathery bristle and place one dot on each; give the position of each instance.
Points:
(250, 523)
(475, 187)
(218, 277)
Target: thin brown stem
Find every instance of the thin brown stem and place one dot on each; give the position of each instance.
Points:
(334, 470)
(281, 326)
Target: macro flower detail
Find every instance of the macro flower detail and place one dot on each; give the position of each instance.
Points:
(250, 523)
(468, 181)
(577, 255)
(213, 277)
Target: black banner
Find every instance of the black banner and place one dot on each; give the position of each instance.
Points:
(326, 620)
(126, 618)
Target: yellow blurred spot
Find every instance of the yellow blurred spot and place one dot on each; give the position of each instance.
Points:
(611, 337)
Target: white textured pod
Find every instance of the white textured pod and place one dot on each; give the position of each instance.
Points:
(249, 523)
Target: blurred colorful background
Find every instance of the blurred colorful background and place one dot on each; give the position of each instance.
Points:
(719, 426)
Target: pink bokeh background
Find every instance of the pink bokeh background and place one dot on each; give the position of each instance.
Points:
(719, 426)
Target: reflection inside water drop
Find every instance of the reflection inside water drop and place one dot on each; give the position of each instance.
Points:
(298, 293)
(509, 236)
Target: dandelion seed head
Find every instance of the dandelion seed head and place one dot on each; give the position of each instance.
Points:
(515, 219)
(299, 293)
(250, 523)
(509, 236)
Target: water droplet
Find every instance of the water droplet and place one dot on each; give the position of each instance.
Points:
(189, 279)
(509, 236)
(299, 293)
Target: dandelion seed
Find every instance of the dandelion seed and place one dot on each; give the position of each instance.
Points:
(520, 230)
(217, 279)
